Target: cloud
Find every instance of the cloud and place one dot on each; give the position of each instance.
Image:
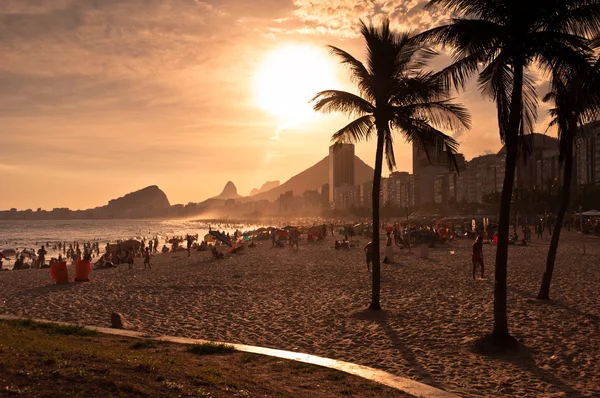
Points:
(341, 17)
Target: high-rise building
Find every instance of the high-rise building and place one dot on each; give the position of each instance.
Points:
(587, 155)
(341, 168)
(325, 196)
(400, 189)
(425, 171)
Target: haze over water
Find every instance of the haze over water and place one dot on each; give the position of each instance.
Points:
(25, 234)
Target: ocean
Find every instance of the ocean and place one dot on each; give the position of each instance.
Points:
(25, 234)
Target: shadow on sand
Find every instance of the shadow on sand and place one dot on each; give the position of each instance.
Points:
(383, 319)
(41, 290)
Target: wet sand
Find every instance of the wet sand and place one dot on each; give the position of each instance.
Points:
(314, 301)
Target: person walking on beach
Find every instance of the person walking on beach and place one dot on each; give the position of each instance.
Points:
(147, 259)
(369, 252)
(189, 240)
(41, 257)
(478, 256)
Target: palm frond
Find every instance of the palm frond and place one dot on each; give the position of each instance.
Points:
(442, 114)
(465, 36)
(529, 106)
(418, 87)
(341, 101)
(359, 74)
(484, 9)
(436, 145)
(580, 17)
(390, 157)
(496, 82)
(356, 131)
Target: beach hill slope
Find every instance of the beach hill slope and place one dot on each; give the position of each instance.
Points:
(314, 178)
(149, 199)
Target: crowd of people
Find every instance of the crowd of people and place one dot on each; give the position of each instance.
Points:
(397, 234)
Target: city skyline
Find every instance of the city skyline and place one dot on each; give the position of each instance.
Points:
(102, 98)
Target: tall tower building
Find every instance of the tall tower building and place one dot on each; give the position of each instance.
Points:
(341, 167)
(424, 173)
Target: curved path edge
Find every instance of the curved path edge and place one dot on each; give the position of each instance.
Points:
(379, 376)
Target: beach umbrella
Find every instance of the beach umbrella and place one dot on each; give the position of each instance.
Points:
(591, 213)
(29, 253)
(130, 244)
(8, 253)
(208, 238)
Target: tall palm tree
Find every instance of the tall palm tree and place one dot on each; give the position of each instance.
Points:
(576, 102)
(394, 94)
(501, 39)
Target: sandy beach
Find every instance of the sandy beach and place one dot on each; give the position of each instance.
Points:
(313, 300)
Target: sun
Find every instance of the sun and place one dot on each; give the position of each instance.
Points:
(289, 78)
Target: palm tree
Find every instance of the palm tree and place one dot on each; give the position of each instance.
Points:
(502, 39)
(395, 94)
(576, 102)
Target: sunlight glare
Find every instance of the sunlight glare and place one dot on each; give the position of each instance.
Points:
(289, 78)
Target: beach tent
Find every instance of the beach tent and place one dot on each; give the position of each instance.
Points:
(591, 213)
(222, 238)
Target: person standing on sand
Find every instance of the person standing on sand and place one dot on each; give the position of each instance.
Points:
(369, 252)
(147, 259)
(189, 243)
(389, 250)
(478, 255)
(41, 257)
(539, 230)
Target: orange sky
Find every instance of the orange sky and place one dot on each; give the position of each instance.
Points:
(102, 97)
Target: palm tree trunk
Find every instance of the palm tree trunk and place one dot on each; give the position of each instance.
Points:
(375, 294)
(500, 335)
(544, 293)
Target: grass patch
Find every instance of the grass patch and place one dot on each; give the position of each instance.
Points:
(143, 344)
(207, 377)
(335, 376)
(248, 357)
(210, 349)
(38, 359)
(54, 328)
(144, 367)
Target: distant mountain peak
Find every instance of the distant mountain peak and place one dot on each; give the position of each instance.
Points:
(313, 178)
(229, 191)
(265, 187)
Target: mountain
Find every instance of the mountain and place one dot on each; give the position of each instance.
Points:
(146, 199)
(314, 178)
(265, 187)
(229, 192)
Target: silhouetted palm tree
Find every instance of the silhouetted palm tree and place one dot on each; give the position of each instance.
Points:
(576, 102)
(395, 94)
(501, 39)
